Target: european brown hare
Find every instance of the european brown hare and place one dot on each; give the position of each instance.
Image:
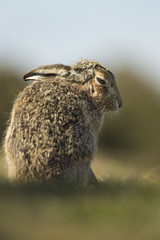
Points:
(55, 122)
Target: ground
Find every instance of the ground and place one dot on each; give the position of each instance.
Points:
(119, 208)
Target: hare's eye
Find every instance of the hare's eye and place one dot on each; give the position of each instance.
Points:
(101, 81)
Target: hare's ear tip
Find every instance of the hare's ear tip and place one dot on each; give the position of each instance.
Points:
(26, 77)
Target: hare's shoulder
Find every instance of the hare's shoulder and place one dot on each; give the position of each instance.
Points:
(42, 98)
(40, 92)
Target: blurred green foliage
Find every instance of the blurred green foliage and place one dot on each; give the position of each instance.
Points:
(109, 211)
(10, 85)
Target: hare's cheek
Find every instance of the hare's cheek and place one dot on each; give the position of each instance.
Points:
(93, 91)
(116, 105)
(95, 94)
(111, 104)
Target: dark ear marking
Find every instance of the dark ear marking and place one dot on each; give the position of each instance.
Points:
(100, 66)
(111, 74)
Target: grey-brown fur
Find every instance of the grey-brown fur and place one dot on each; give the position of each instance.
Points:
(55, 122)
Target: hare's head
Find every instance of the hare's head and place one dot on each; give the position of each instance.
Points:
(100, 82)
(90, 76)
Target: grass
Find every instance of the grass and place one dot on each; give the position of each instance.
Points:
(112, 210)
(116, 209)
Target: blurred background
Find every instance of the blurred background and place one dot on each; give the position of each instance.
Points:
(122, 35)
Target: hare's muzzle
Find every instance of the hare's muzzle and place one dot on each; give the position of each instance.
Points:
(120, 102)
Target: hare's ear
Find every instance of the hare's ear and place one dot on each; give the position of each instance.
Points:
(30, 76)
(46, 72)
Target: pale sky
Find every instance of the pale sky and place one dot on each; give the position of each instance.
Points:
(35, 32)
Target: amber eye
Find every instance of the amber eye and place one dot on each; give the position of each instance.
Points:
(101, 81)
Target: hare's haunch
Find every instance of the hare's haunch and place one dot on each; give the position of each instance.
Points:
(55, 122)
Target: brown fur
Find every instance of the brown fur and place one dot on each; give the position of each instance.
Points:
(55, 122)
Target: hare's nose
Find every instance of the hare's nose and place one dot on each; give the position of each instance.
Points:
(120, 102)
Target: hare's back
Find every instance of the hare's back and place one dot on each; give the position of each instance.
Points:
(43, 102)
(50, 128)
